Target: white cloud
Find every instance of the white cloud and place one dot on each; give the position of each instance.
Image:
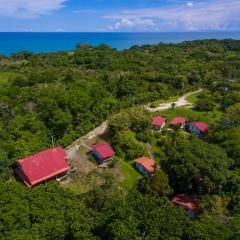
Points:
(88, 11)
(200, 16)
(28, 8)
(131, 24)
(59, 30)
(190, 4)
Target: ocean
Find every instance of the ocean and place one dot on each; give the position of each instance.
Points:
(51, 42)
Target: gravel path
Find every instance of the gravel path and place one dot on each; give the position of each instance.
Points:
(181, 102)
(72, 149)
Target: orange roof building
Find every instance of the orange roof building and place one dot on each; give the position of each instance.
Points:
(145, 165)
(187, 202)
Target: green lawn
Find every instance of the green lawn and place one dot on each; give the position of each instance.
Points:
(155, 149)
(191, 114)
(76, 187)
(84, 182)
(129, 173)
(193, 98)
(6, 76)
(70, 53)
(210, 118)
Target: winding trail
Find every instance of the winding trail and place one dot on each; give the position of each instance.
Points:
(181, 102)
(72, 149)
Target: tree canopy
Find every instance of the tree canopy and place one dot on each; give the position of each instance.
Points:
(51, 99)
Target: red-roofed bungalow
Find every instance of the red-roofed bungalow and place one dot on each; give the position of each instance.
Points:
(102, 152)
(145, 165)
(158, 122)
(43, 166)
(199, 128)
(188, 203)
(178, 121)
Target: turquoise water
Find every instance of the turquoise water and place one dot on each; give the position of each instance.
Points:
(50, 42)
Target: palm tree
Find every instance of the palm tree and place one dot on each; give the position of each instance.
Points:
(173, 105)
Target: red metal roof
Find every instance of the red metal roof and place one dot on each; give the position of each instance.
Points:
(178, 120)
(158, 121)
(148, 163)
(186, 200)
(104, 150)
(44, 165)
(200, 125)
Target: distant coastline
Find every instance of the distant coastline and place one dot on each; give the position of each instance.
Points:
(51, 42)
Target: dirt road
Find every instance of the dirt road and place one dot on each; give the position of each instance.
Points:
(72, 149)
(181, 102)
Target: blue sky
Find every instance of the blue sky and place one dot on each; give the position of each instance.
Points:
(119, 15)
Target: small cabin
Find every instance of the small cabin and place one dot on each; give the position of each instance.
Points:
(198, 128)
(102, 152)
(188, 203)
(178, 121)
(158, 122)
(145, 165)
(41, 167)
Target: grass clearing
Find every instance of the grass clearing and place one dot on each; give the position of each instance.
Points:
(87, 174)
(193, 98)
(130, 175)
(5, 77)
(76, 187)
(80, 182)
(83, 182)
(193, 115)
(211, 118)
(155, 148)
(168, 100)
